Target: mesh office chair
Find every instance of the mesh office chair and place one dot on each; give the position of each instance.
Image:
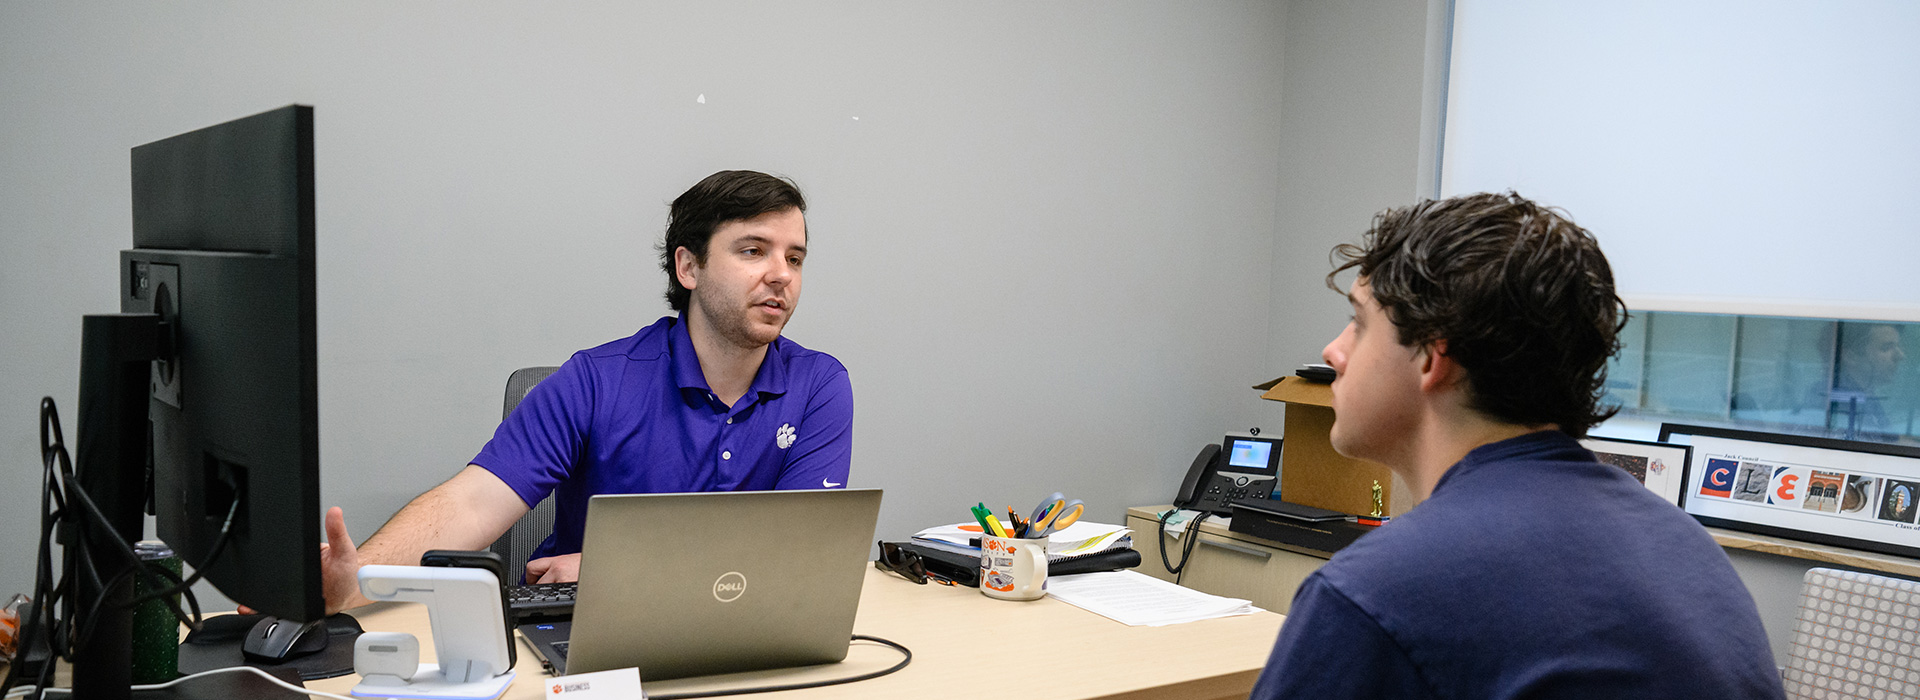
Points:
(533, 528)
(1857, 637)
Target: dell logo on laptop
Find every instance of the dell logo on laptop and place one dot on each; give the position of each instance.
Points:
(729, 587)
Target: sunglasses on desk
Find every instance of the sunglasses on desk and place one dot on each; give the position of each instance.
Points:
(907, 564)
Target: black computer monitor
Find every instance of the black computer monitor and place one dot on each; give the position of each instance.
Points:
(223, 230)
(200, 399)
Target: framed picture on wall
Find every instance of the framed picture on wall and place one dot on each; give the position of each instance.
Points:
(1658, 465)
(1863, 495)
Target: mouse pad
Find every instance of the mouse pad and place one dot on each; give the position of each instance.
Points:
(217, 645)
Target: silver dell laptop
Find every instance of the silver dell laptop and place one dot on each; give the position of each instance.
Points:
(693, 584)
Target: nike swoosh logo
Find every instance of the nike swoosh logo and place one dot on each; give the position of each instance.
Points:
(828, 484)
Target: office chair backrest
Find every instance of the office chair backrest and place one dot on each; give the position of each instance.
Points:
(533, 528)
(1858, 636)
(521, 382)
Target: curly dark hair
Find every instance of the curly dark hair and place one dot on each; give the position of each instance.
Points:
(723, 197)
(1522, 296)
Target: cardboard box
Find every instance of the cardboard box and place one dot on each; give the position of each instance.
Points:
(1311, 473)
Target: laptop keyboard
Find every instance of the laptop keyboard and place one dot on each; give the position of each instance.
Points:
(541, 600)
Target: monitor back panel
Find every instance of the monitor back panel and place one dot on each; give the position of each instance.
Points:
(703, 583)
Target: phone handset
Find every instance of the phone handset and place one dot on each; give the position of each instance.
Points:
(1204, 467)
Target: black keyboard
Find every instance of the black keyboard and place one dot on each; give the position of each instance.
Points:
(541, 600)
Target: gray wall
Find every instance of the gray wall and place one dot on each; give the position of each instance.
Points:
(1042, 234)
(1775, 581)
(1350, 146)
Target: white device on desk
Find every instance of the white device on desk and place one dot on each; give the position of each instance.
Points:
(469, 635)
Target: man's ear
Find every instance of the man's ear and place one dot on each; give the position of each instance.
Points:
(1437, 369)
(686, 267)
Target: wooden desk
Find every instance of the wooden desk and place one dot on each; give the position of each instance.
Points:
(1820, 553)
(955, 633)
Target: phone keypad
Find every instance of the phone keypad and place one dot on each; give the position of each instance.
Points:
(1235, 491)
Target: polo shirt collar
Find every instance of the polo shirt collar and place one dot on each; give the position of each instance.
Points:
(770, 380)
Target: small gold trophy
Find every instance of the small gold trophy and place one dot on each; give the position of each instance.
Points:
(1379, 507)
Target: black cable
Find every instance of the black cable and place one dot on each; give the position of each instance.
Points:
(138, 566)
(46, 591)
(193, 602)
(37, 609)
(50, 594)
(908, 658)
(199, 570)
(1193, 541)
(88, 621)
(1186, 547)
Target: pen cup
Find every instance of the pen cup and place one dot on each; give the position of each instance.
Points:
(1013, 569)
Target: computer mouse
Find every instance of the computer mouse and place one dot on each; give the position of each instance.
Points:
(274, 639)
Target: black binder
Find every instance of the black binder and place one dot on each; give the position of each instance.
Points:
(965, 569)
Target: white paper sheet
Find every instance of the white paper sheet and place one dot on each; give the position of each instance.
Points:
(1137, 599)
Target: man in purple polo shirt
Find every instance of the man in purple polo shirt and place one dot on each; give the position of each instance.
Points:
(711, 400)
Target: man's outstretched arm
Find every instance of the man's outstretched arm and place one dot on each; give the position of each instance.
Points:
(468, 511)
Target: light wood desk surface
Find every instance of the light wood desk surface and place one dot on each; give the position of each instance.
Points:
(957, 634)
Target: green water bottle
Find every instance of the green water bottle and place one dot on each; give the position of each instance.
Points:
(156, 634)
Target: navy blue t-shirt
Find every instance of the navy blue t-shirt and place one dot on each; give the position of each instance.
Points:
(636, 416)
(1533, 571)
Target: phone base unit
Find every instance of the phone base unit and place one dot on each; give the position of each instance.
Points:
(1311, 528)
(1246, 467)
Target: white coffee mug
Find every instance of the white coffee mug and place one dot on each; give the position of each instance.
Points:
(1013, 569)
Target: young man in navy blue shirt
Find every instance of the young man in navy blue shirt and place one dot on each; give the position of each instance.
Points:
(711, 400)
(1476, 356)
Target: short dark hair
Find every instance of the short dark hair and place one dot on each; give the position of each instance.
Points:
(1522, 296)
(725, 196)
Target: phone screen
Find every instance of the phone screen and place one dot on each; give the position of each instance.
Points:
(1250, 454)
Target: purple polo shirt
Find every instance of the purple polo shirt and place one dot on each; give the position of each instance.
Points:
(636, 416)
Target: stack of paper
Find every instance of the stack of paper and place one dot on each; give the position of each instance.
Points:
(1137, 599)
(1078, 539)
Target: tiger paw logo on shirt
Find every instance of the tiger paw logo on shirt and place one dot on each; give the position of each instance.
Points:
(784, 437)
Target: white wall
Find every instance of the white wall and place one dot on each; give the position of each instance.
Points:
(1731, 156)
(1042, 235)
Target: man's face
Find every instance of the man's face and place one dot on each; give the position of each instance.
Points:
(750, 284)
(1880, 361)
(1378, 386)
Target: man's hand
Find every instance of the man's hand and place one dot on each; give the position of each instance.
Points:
(561, 569)
(467, 511)
(340, 565)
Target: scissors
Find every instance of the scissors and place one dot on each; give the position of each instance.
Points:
(1055, 514)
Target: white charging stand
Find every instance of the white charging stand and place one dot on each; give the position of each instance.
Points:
(469, 632)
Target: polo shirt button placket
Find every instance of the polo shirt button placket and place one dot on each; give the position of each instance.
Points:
(726, 454)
